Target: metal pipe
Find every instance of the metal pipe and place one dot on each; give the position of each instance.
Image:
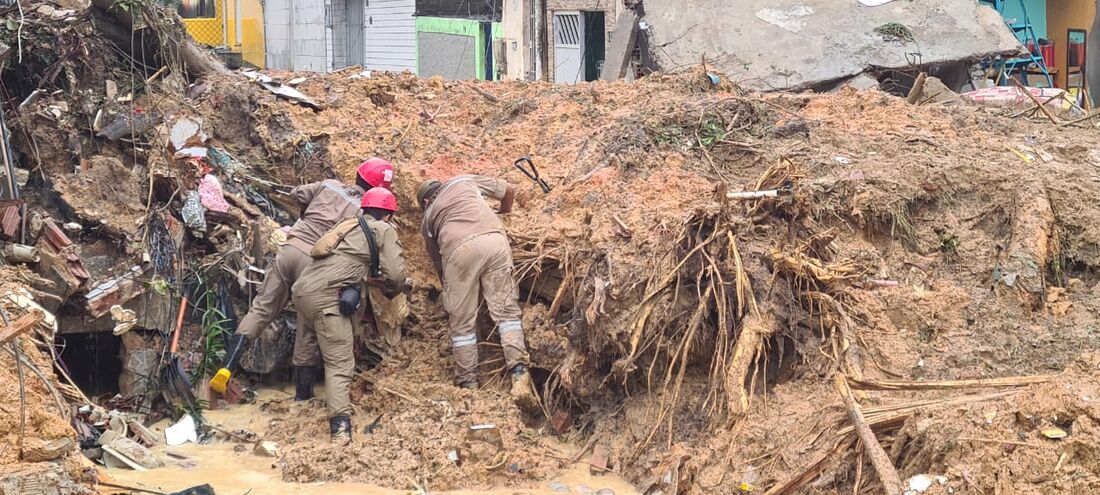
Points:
(225, 22)
(237, 21)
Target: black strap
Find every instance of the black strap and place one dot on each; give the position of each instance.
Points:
(375, 268)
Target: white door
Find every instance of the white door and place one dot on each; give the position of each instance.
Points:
(568, 47)
(390, 35)
(355, 32)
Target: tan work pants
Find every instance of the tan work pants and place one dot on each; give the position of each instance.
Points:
(288, 265)
(482, 265)
(335, 337)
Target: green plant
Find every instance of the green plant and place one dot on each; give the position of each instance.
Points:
(902, 226)
(949, 244)
(131, 5)
(214, 330)
(710, 132)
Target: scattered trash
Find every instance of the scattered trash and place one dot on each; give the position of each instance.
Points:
(1054, 433)
(181, 432)
(874, 3)
(557, 486)
(128, 453)
(786, 190)
(267, 449)
(455, 457)
(919, 484)
(296, 81)
(125, 319)
(211, 195)
(19, 253)
(489, 434)
(843, 160)
(605, 491)
(194, 214)
(187, 139)
(598, 462)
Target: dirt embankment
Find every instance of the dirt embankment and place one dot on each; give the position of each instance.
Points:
(696, 338)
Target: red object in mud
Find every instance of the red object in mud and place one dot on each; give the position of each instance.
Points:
(377, 172)
(379, 198)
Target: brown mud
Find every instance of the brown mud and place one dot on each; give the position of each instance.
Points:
(693, 338)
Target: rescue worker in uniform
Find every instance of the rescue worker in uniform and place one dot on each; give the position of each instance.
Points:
(324, 204)
(357, 251)
(470, 252)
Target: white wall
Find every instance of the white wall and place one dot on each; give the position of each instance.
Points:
(299, 36)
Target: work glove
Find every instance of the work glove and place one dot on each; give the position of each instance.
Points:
(237, 345)
(349, 300)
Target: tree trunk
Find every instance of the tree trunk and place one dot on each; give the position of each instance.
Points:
(196, 61)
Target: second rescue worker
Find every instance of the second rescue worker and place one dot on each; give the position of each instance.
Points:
(470, 252)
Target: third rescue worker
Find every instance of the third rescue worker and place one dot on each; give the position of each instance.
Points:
(470, 251)
(324, 204)
(359, 250)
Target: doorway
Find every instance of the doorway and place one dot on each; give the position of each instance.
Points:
(356, 50)
(579, 46)
(594, 45)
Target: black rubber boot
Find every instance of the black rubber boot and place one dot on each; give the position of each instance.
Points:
(339, 428)
(303, 382)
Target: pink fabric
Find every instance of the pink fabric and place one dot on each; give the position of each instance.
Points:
(210, 193)
(1011, 95)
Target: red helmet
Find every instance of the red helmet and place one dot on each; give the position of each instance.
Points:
(376, 172)
(379, 198)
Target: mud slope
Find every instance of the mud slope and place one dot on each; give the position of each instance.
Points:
(697, 338)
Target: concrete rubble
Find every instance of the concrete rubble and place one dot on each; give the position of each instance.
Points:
(771, 45)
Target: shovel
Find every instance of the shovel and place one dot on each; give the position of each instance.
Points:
(177, 385)
(532, 173)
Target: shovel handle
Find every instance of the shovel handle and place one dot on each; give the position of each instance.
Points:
(179, 325)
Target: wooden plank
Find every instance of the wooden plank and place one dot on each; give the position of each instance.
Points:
(622, 46)
(20, 326)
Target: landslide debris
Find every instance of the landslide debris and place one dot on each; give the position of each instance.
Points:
(684, 339)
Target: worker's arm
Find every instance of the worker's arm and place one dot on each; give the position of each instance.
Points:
(304, 194)
(497, 189)
(507, 201)
(432, 246)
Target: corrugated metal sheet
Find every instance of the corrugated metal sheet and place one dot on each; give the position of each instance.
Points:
(390, 37)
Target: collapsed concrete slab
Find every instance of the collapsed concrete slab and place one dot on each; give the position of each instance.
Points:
(770, 45)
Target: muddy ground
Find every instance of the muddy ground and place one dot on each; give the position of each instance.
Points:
(971, 255)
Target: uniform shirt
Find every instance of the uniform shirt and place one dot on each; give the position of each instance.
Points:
(459, 213)
(350, 260)
(326, 203)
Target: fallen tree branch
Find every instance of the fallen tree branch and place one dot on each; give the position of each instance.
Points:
(483, 93)
(1043, 108)
(887, 474)
(1014, 381)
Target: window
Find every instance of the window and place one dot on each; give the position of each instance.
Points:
(196, 9)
